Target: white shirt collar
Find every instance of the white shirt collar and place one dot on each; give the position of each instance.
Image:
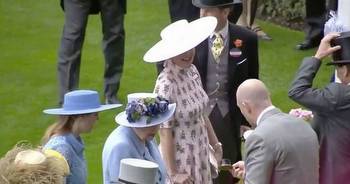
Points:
(263, 112)
(223, 32)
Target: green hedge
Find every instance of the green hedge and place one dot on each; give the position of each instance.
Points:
(290, 10)
(286, 12)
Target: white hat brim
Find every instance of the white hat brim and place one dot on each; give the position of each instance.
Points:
(121, 119)
(198, 30)
(61, 111)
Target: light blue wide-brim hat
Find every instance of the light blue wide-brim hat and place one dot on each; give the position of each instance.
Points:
(81, 102)
(121, 118)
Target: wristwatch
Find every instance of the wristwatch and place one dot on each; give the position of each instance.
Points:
(217, 145)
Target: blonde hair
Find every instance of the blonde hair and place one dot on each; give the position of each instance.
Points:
(48, 172)
(63, 125)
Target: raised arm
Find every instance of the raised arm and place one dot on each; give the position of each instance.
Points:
(301, 89)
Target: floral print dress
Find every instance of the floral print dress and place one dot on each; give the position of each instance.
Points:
(184, 87)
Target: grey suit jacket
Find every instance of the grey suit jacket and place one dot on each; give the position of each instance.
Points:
(331, 108)
(281, 150)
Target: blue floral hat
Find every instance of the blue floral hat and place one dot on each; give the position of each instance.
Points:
(145, 110)
(81, 102)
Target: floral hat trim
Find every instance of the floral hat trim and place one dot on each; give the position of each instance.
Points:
(148, 107)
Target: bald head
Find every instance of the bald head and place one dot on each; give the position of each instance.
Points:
(253, 91)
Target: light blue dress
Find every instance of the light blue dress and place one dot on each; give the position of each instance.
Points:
(72, 148)
(124, 143)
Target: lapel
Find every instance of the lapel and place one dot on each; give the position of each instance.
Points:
(202, 61)
(140, 148)
(76, 143)
(232, 61)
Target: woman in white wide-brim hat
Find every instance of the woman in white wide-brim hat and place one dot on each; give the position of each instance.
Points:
(78, 115)
(134, 138)
(184, 139)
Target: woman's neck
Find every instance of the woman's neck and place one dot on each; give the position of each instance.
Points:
(140, 135)
(75, 131)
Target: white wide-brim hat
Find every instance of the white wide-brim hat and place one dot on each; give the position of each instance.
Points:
(80, 102)
(121, 118)
(137, 171)
(179, 37)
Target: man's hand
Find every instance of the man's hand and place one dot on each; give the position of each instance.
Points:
(325, 48)
(238, 169)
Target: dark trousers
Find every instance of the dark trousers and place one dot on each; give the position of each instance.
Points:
(182, 9)
(316, 15)
(229, 135)
(69, 56)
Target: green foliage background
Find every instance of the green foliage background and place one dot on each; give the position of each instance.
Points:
(290, 10)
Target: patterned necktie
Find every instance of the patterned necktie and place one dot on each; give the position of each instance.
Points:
(218, 47)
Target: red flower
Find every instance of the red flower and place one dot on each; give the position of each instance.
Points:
(238, 43)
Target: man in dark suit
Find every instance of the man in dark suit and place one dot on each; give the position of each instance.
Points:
(282, 149)
(330, 106)
(184, 9)
(316, 16)
(224, 60)
(69, 55)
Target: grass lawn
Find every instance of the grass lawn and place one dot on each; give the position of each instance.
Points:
(30, 32)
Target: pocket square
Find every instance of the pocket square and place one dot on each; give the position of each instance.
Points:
(242, 61)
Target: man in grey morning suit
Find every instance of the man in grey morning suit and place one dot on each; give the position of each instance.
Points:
(282, 149)
(69, 56)
(330, 106)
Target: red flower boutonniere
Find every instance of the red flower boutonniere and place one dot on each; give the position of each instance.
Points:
(236, 51)
(238, 43)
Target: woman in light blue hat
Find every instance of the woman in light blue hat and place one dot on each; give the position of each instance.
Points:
(77, 115)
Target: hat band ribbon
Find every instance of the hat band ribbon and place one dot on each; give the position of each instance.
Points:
(126, 182)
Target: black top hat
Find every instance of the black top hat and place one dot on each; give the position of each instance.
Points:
(341, 56)
(211, 3)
